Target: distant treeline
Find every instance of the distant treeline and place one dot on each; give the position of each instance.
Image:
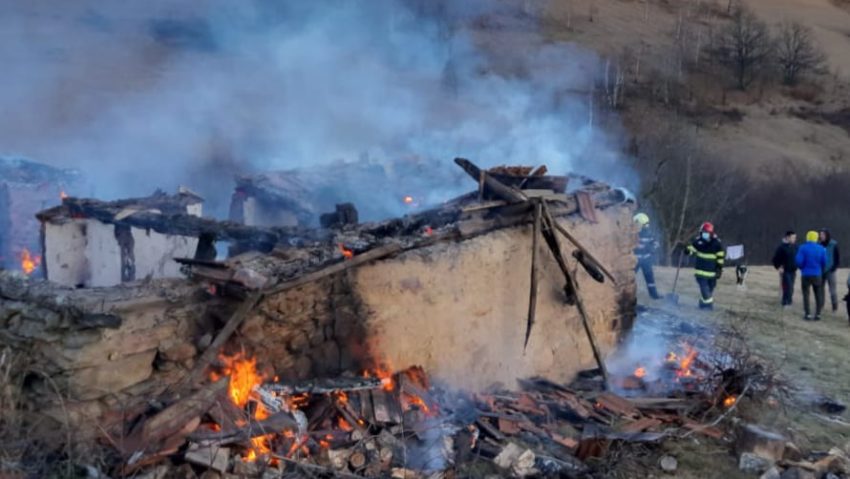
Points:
(797, 203)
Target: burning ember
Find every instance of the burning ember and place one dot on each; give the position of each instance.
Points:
(729, 401)
(640, 372)
(408, 200)
(29, 262)
(346, 253)
(334, 407)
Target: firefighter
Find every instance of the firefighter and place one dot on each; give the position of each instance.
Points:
(710, 257)
(645, 252)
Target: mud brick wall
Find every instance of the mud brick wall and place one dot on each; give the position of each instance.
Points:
(460, 309)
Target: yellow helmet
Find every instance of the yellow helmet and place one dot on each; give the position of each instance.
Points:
(641, 219)
(812, 236)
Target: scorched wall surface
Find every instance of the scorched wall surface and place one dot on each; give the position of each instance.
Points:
(460, 309)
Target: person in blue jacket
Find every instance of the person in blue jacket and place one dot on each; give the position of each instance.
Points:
(811, 259)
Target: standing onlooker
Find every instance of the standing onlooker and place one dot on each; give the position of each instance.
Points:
(785, 260)
(833, 259)
(811, 259)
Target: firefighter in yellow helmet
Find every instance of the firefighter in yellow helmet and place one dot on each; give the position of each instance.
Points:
(645, 252)
(710, 257)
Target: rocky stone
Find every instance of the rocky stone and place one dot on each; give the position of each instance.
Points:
(753, 463)
(524, 464)
(508, 455)
(668, 464)
(835, 462)
(797, 473)
(111, 376)
(761, 442)
(179, 352)
(792, 452)
(772, 473)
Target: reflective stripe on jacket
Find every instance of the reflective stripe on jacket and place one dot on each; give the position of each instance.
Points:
(646, 246)
(709, 255)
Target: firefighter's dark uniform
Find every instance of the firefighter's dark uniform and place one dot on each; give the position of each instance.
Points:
(710, 257)
(645, 252)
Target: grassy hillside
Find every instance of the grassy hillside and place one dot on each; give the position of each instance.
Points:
(810, 356)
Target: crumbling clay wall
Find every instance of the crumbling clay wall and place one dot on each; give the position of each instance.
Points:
(92, 358)
(460, 309)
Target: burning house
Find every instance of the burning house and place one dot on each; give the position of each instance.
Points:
(90, 243)
(27, 187)
(300, 197)
(503, 283)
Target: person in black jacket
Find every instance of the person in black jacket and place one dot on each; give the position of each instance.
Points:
(645, 252)
(833, 260)
(784, 261)
(710, 257)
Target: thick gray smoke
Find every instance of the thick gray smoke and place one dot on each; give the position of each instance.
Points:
(151, 94)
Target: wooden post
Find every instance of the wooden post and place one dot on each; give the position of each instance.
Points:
(532, 300)
(585, 320)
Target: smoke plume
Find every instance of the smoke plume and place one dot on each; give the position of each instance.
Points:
(140, 95)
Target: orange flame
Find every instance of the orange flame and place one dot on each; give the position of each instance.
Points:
(244, 376)
(428, 231)
(343, 424)
(408, 200)
(347, 253)
(29, 262)
(62, 195)
(385, 374)
(298, 401)
(686, 362)
(640, 372)
(415, 400)
(729, 401)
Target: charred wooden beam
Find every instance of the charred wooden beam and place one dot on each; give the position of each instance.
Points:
(324, 385)
(495, 186)
(585, 319)
(581, 247)
(532, 299)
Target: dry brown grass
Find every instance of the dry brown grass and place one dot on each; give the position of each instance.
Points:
(810, 356)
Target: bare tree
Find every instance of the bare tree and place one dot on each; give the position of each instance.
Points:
(744, 46)
(797, 53)
(683, 184)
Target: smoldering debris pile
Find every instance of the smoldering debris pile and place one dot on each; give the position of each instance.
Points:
(382, 424)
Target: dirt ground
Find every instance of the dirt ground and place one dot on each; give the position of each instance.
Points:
(810, 356)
